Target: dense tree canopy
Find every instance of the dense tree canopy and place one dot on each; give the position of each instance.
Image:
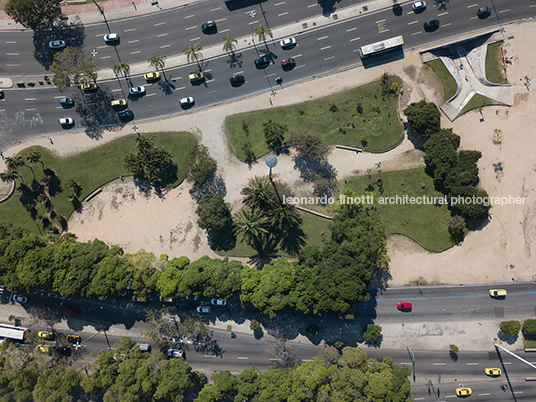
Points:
(34, 14)
(71, 67)
(424, 117)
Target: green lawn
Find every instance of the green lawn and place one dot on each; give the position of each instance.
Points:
(447, 80)
(529, 343)
(377, 123)
(312, 225)
(426, 224)
(478, 101)
(91, 169)
(493, 68)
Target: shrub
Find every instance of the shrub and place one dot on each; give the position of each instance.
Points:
(510, 327)
(201, 166)
(529, 326)
(309, 144)
(214, 214)
(424, 117)
(454, 349)
(372, 333)
(339, 344)
(254, 325)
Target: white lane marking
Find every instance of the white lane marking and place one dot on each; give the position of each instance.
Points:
(210, 356)
(178, 89)
(102, 47)
(159, 36)
(189, 28)
(12, 54)
(59, 107)
(159, 23)
(418, 399)
(483, 394)
(416, 33)
(329, 58)
(116, 90)
(357, 50)
(322, 37)
(273, 360)
(300, 66)
(532, 5)
(212, 80)
(136, 52)
(105, 57)
(312, 5)
(29, 99)
(298, 55)
(189, 16)
(351, 29)
(515, 392)
(412, 22)
(12, 65)
(504, 11)
(473, 18)
(58, 97)
(278, 4)
(12, 41)
(377, 22)
(280, 15)
(354, 39)
(507, 362)
(129, 30)
(325, 47)
(446, 25)
(221, 20)
(440, 364)
(134, 41)
(445, 13)
(472, 364)
(163, 47)
(191, 40)
(242, 358)
(31, 109)
(253, 22)
(153, 94)
(225, 30)
(385, 30)
(216, 9)
(472, 5)
(208, 71)
(409, 364)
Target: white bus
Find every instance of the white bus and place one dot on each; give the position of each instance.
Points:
(382, 46)
(12, 332)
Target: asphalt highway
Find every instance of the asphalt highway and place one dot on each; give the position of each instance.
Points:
(34, 111)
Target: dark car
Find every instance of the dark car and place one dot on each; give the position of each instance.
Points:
(237, 80)
(209, 26)
(262, 62)
(125, 114)
(72, 313)
(288, 63)
(67, 102)
(431, 25)
(1, 94)
(483, 12)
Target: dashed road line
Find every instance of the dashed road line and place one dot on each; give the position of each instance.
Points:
(445, 13)
(279, 4)
(504, 11)
(472, 364)
(178, 89)
(253, 22)
(210, 356)
(377, 22)
(29, 99)
(30, 109)
(134, 41)
(189, 16)
(225, 30)
(159, 23)
(163, 47)
(129, 30)
(472, 5)
(440, 364)
(354, 39)
(448, 24)
(322, 37)
(484, 394)
(190, 28)
(136, 52)
(351, 29)
(325, 48)
(58, 97)
(312, 5)
(159, 36)
(298, 55)
(151, 94)
(105, 57)
(221, 20)
(216, 9)
(11, 41)
(116, 90)
(274, 360)
(191, 40)
(473, 18)
(329, 58)
(282, 14)
(242, 358)
(416, 33)
(412, 22)
(102, 47)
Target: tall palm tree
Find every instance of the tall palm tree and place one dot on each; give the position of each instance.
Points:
(252, 226)
(261, 32)
(8, 175)
(193, 52)
(157, 62)
(35, 157)
(13, 163)
(259, 193)
(75, 186)
(121, 68)
(229, 44)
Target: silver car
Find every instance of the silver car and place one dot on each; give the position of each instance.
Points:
(56, 44)
(111, 37)
(288, 43)
(419, 6)
(175, 352)
(136, 90)
(186, 101)
(66, 121)
(204, 309)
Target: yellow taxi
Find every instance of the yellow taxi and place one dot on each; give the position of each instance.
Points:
(139, 299)
(151, 76)
(497, 292)
(464, 391)
(43, 348)
(196, 77)
(166, 299)
(119, 103)
(49, 336)
(74, 339)
(492, 372)
(89, 87)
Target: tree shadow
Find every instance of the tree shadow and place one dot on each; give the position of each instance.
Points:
(453, 356)
(309, 168)
(96, 113)
(224, 239)
(72, 32)
(166, 86)
(214, 185)
(397, 10)
(417, 140)
(328, 6)
(509, 339)
(235, 60)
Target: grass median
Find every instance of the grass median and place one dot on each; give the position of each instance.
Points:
(494, 64)
(359, 117)
(447, 80)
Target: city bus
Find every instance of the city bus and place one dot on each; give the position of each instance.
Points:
(12, 332)
(382, 46)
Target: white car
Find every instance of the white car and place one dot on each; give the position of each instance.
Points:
(218, 302)
(66, 121)
(419, 6)
(136, 90)
(287, 43)
(56, 44)
(204, 309)
(111, 37)
(18, 298)
(175, 352)
(186, 101)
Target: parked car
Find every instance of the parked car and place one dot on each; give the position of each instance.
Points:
(152, 76)
(419, 6)
(18, 298)
(175, 352)
(56, 44)
(218, 302)
(166, 299)
(483, 12)
(288, 63)
(186, 102)
(66, 121)
(1, 94)
(493, 372)
(74, 339)
(119, 103)
(43, 348)
(137, 90)
(125, 114)
(111, 37)
(194, 77)
(72, 313)
(47, 335)
(497, 292)
(66, 102)
(204, 309)
(431, 25)
(262, 62)
(464, 391)
(144, 347)
(288, 43)
(237, 80)
(404, 306)
(208, 26)
(89, 87)
(139, 299)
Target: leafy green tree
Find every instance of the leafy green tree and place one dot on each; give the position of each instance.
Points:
(254, 325)
(34, 14)
(309, 144)
(110, 278)
(529, 327)
(201, 166)
(193, 51)
(274, 133)
(229, 43)
(72, 67)
(168, 282)
(454, 349)
(224, 383)
(510, 327)
(372, 333)
(214, 214)
(58, 384)
(424, 117)
(151, 163)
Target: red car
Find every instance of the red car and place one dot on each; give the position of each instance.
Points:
(72, 313)
(404, 306)
(288, 63)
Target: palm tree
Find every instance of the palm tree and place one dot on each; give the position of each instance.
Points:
(76, 187)
(259, 193)
(121, 68)
(229, 44)
(261, 32)
(13, 163)
(193, 52)
(8, 176)
(35, 157)
(157, 62)
(252, 226)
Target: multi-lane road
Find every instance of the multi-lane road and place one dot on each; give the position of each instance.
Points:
(34, 111)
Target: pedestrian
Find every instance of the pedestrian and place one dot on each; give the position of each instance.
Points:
(2, 155)
(270, 100)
